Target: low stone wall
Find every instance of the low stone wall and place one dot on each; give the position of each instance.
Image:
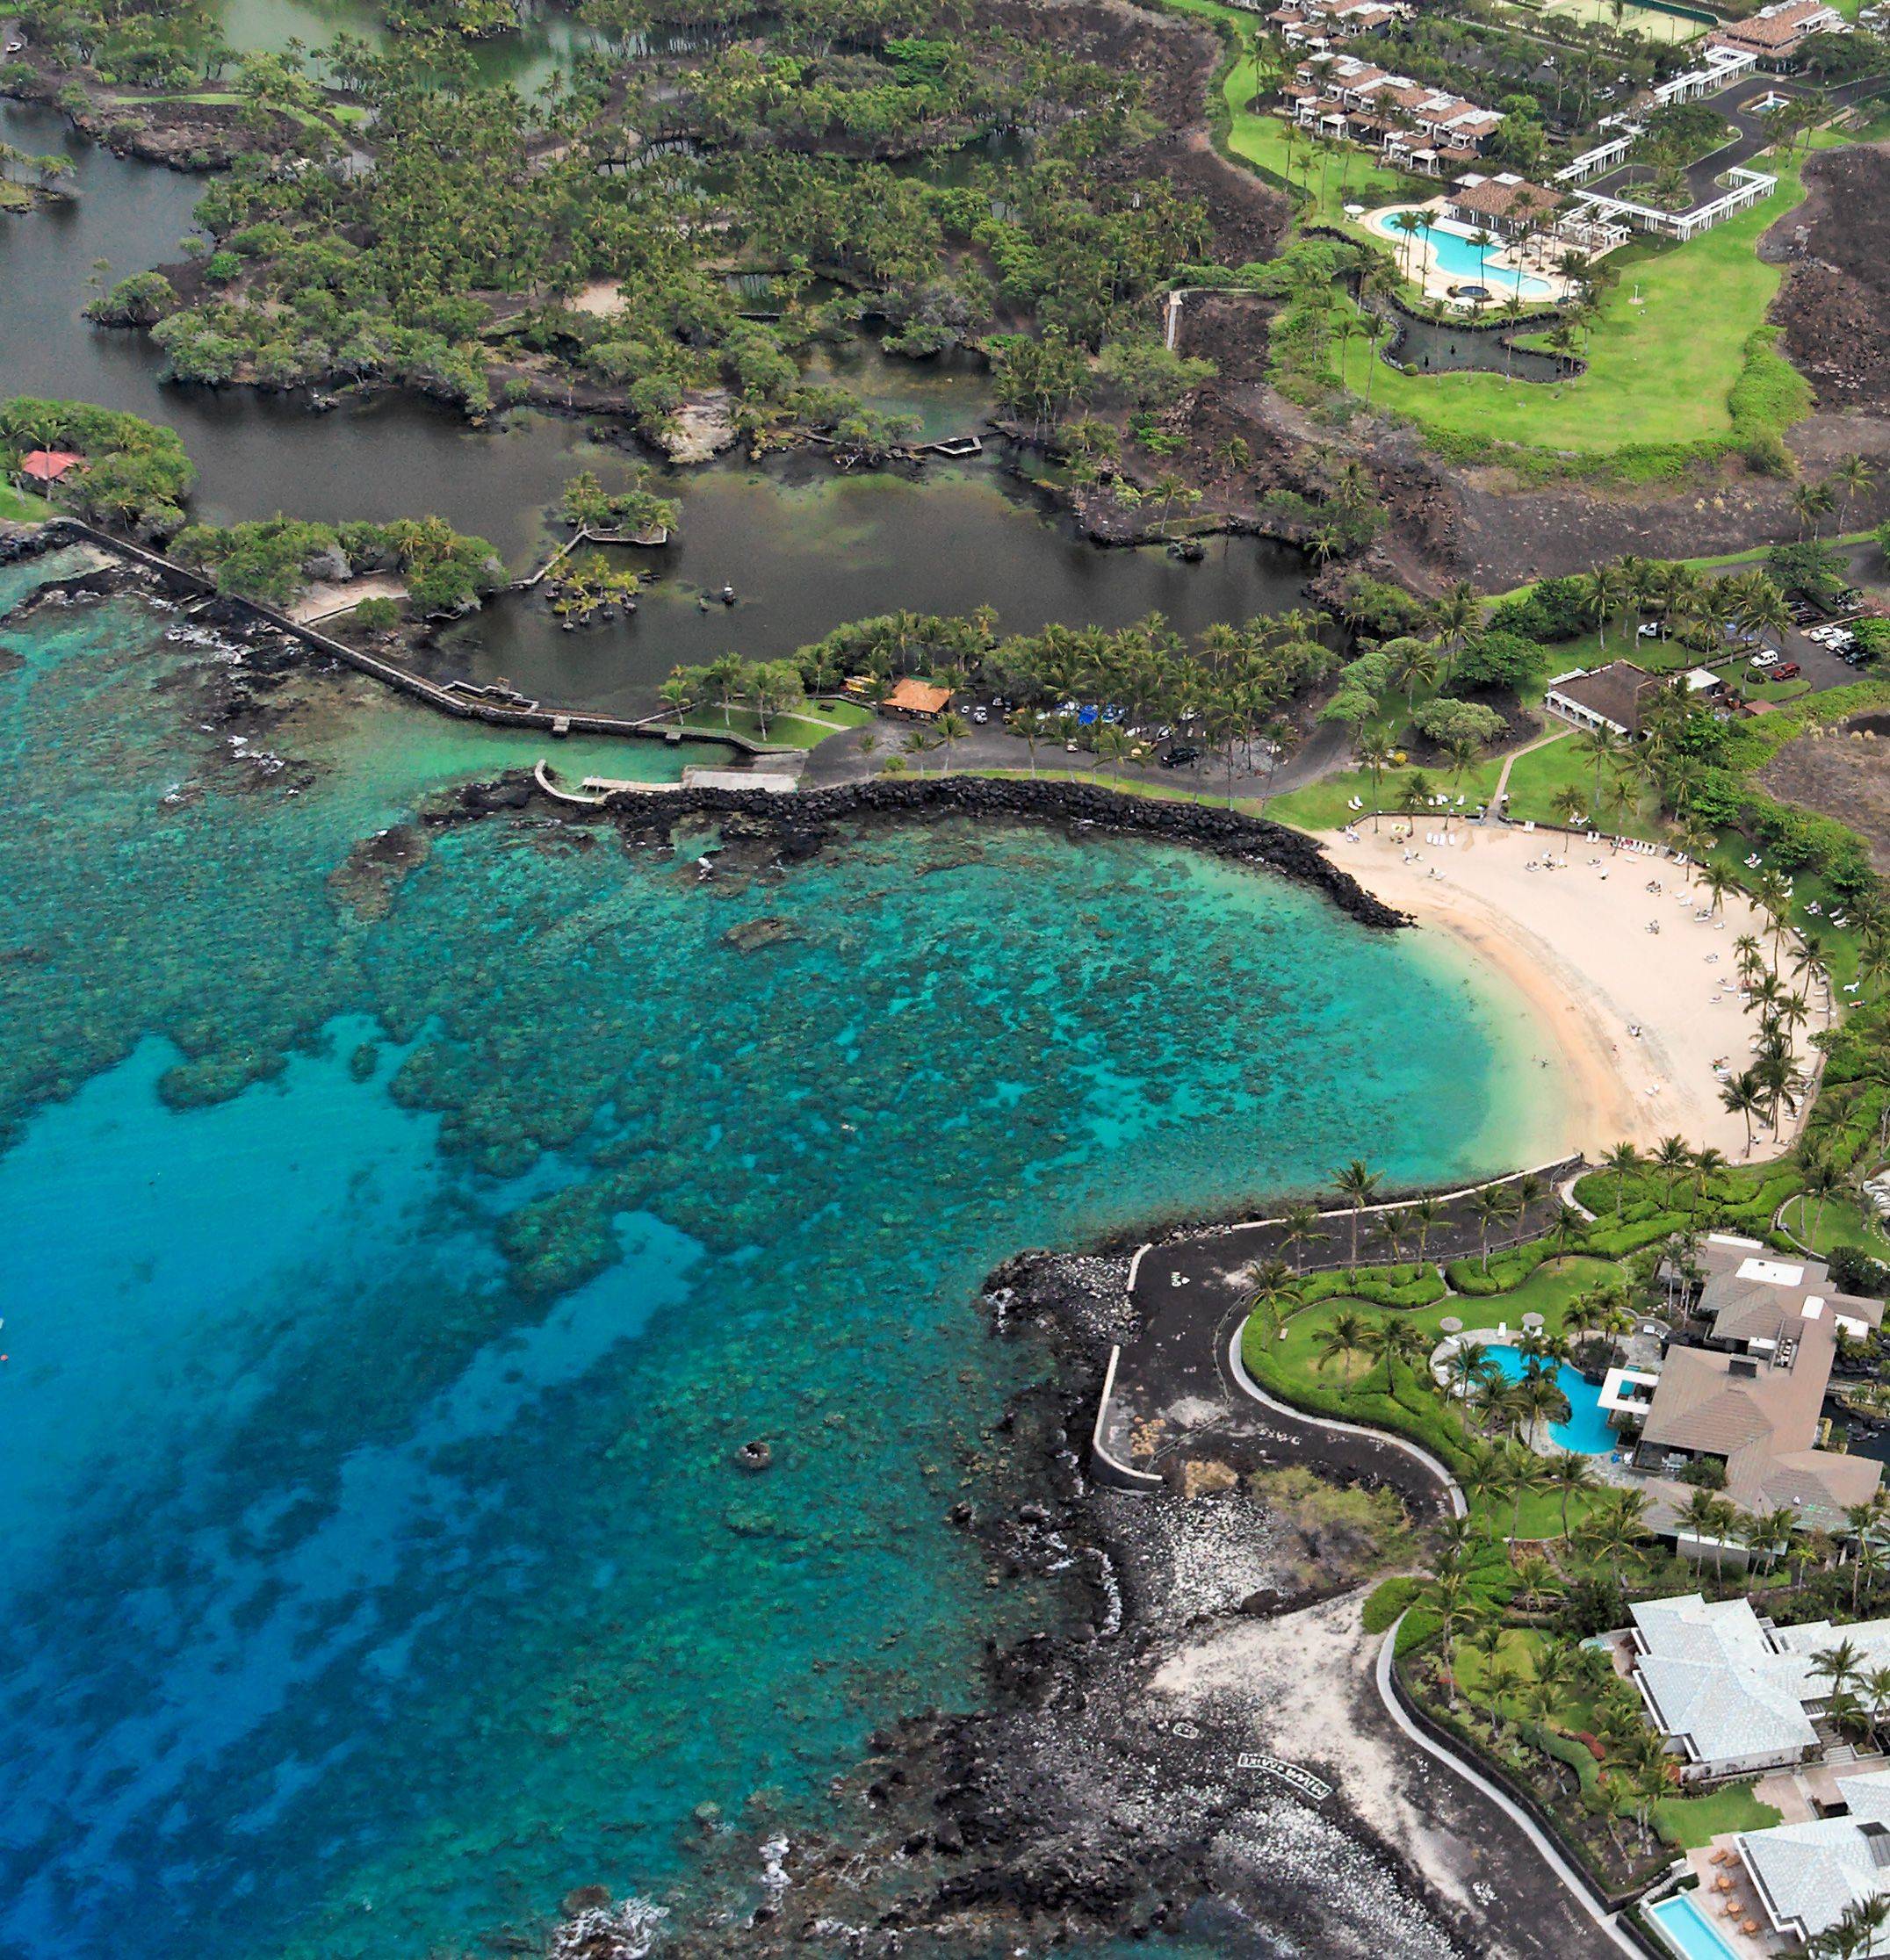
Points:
(797, 818)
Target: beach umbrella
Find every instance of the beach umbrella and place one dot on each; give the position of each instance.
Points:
(1532, 1323)
(1451, 1325)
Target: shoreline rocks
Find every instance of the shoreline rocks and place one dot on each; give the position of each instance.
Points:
(799, 823)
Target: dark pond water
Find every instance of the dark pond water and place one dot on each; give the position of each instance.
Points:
(806, 548)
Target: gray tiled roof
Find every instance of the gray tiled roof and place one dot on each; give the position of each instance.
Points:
(1810, 1872)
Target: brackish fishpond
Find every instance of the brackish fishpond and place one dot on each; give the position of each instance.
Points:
(806, 546)
(406, 1222)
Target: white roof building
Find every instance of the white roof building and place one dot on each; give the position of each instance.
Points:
(1807, 1874)
(1718, 1686)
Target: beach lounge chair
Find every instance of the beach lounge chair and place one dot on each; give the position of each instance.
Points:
(1529, 827)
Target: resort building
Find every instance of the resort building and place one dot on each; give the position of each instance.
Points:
(1318, 23)
(1807, 1874)
(915, 700)
(1507, 206)
(1716, 1684)
(1750, 1397)
(1613, 696)
(1775, 35)
(1423, 129)
(47, 467)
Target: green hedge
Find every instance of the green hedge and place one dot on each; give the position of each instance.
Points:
(1579, 1757)
(1386, 1601)
(1507, 1270)
(1424, 1422)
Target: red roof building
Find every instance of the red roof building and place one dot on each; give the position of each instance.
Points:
(49, 465)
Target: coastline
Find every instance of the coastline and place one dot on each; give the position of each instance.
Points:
(1144, 1770)
(1574, 947)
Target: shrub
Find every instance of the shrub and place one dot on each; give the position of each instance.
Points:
(1705, 1474)
(1386, 1601)
(1855, 1271)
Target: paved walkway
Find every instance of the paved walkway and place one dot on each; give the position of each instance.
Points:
(1608, 1922)
(1175, 1382)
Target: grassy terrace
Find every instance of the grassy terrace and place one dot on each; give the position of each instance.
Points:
(1671, 344)
(18, 507)
(1661, 371)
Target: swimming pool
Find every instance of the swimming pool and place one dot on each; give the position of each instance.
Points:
(1586, 1432)
(1688, 1930)
(1459, 260)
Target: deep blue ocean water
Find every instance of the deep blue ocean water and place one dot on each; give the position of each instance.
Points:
(394, 1258)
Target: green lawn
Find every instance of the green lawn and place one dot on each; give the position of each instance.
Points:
(19, 507)
(1666, 351)
(1690, 1821)
(1325, 806)
(1289, 1360)
(802, 730)
(1840, 1223)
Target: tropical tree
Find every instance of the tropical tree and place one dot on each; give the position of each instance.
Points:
(1568, 1475)
(1492, 1205)
(1298, 1229)
(1356, 1183)
(1269, 1288)
(1345, 1335)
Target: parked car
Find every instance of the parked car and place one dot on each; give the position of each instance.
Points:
(1765, 658)
(1182, 755)
(1787, 670)
(981, 715)
(1647, 630)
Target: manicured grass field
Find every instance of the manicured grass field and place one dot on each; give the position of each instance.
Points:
(802, 730)
(1840, 1223)
(1688, 1821)
(18, 508)
(1666, 351)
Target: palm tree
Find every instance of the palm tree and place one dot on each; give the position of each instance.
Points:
(1623, 1160)
(1269, 1287)
(1491, 1204)
(1839, 1665)
(1708, 1518)
(1374, 750)
(1853, 477)
(1522, 1475)
(1744, 1096)
(1343, 1336)
(1299, 1228)
(1469, 1364)
(1356, 1183)
(1424, 1215)
(1675, 1160)
(1395, 1340)
(1501, 1679)
(1568, 1476)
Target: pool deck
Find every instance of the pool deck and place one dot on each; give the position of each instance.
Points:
(1539, 1438)
(1418, 259)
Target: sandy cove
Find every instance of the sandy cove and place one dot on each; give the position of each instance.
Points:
(1573, 941)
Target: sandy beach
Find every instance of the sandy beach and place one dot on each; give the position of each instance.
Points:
(1573, 940)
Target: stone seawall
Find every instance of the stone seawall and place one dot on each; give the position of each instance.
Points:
(799, 822)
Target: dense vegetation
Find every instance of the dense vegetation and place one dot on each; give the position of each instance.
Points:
(136, 474)
(639, 184)
(275, 559)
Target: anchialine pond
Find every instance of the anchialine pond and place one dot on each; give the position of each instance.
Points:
(397, 1247)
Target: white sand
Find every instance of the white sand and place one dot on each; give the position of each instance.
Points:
(1575, 944)
(600, 297)
(324, 601)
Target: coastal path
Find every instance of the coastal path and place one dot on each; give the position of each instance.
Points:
(1178, 1381)
(462, 705)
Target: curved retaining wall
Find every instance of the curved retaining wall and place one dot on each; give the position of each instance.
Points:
(797, 817)
(1480, 1770)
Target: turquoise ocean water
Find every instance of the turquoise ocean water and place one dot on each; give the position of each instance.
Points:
(395, 1252)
